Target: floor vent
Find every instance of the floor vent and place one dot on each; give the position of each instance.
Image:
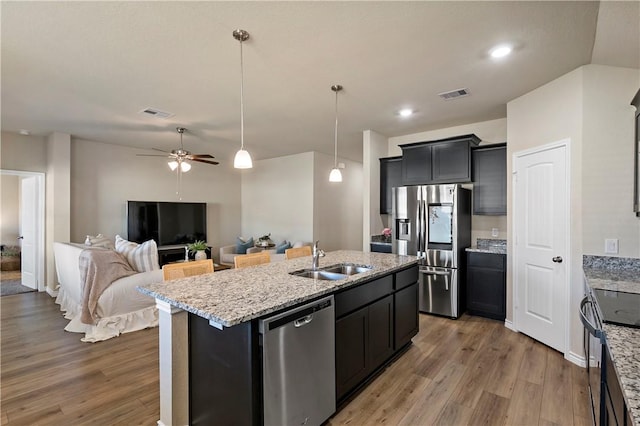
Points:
(156, 113)
(453, 94)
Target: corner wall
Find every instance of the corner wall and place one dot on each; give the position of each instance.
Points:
(374, 147)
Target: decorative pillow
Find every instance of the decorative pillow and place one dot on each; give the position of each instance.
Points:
(98, 241)
(282, 247)
(142, 257)
(242, 245)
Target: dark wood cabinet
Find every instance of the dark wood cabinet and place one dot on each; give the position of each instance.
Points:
(614, 409)
(390, 177)
(490, 180)
(373, 321)
(486, 285)
(440, 161)
(406, 315)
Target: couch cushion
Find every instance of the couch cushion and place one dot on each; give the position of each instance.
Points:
(142, 257)
(282, 247)
(98, 241)
(242, 245)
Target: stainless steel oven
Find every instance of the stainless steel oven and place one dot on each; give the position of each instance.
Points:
(593, 343)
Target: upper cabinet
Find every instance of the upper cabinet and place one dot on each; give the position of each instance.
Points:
(441, 161)
(390, 177)
(490, 180)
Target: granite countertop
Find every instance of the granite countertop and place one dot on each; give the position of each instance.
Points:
(620, 274)
(485, 245)
(235, 296)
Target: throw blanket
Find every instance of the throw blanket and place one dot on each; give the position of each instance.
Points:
(98, 269)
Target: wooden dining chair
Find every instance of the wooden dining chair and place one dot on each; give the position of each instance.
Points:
(292, 253)
(173, 271)
(244, 260)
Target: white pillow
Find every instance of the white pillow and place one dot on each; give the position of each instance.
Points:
(142, 257)
(98, 241)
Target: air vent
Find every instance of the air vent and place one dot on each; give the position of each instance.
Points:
(156, 113)
(458, 93)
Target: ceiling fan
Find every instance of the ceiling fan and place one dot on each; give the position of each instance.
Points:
(179, 158)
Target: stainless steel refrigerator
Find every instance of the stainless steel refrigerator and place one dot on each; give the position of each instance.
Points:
(433, 222)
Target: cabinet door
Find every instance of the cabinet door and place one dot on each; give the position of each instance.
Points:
(352, 342)
(490, 181)
(451, 162)
(486, 285)
(380, 331)
(390, 177)
(416, 165)
(406, 315)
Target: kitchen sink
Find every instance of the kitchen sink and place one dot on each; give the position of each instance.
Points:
(319, 274)
(333, 272)
(347, 269)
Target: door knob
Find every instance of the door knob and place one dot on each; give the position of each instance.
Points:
(557, 259)
(20, 238)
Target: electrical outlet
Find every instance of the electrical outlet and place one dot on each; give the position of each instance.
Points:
(494, 232)
(611, 246)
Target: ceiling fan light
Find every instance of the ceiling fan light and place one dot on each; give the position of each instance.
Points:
(335, 175)
(173, 164)
(242, 160)
(185, 167)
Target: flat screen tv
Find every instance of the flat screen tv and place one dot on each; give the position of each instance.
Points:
(167, 223)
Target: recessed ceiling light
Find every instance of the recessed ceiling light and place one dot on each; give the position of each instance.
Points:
(500, 51)
(24, 132)
(406, 112)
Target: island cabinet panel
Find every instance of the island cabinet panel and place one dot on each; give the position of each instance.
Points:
(615, 409)
(486, 285)
(224, 374)
(406, 315)
(373, 322)
(490, 180)
(390, 177)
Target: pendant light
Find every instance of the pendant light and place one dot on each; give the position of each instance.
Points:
(242, 159)
(336, 175)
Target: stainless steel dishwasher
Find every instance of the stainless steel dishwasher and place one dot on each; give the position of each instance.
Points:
(298, 365)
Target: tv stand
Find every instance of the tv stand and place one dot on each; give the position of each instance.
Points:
(174, 253)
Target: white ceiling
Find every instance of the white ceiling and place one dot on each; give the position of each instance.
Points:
(88, 68)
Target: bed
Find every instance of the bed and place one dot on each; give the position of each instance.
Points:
(120, 308)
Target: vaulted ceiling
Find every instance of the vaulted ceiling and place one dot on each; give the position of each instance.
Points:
(89, 68)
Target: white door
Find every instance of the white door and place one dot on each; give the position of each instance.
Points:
(541, 224)
(28, 230)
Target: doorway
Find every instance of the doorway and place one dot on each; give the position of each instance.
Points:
(23, 225)
(541, 205)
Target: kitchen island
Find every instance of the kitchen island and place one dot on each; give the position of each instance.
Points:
(210, 345)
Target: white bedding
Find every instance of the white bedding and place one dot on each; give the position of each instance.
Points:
(121, 308)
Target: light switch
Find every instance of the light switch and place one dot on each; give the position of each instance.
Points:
(611, 246)
(494, 232)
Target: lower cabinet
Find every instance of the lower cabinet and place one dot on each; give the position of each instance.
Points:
(486, 285)
(364, 340)
(615, 410)
(373, 322)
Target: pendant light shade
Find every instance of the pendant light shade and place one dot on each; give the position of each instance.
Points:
(173, 164)
(242, 159)
(184, 166)
(336, 175)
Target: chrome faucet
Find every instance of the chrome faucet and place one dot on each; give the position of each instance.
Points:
(317, 254)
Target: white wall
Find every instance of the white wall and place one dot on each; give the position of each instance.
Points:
(291, 198)
(277, 198)
(374, 147)
(104, 177)
(25, 153)
(490, 132)
(9, 209)
(607, 172)
(337, 206)
(589, 106)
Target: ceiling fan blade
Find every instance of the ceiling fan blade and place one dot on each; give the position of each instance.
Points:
(201, 156)
(151, 155)
(161, 150)
(205, 161)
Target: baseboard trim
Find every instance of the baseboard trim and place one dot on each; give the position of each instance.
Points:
(575, 359)
(51, 292)
(509, 325)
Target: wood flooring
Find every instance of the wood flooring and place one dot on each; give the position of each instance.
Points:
(472, 371)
